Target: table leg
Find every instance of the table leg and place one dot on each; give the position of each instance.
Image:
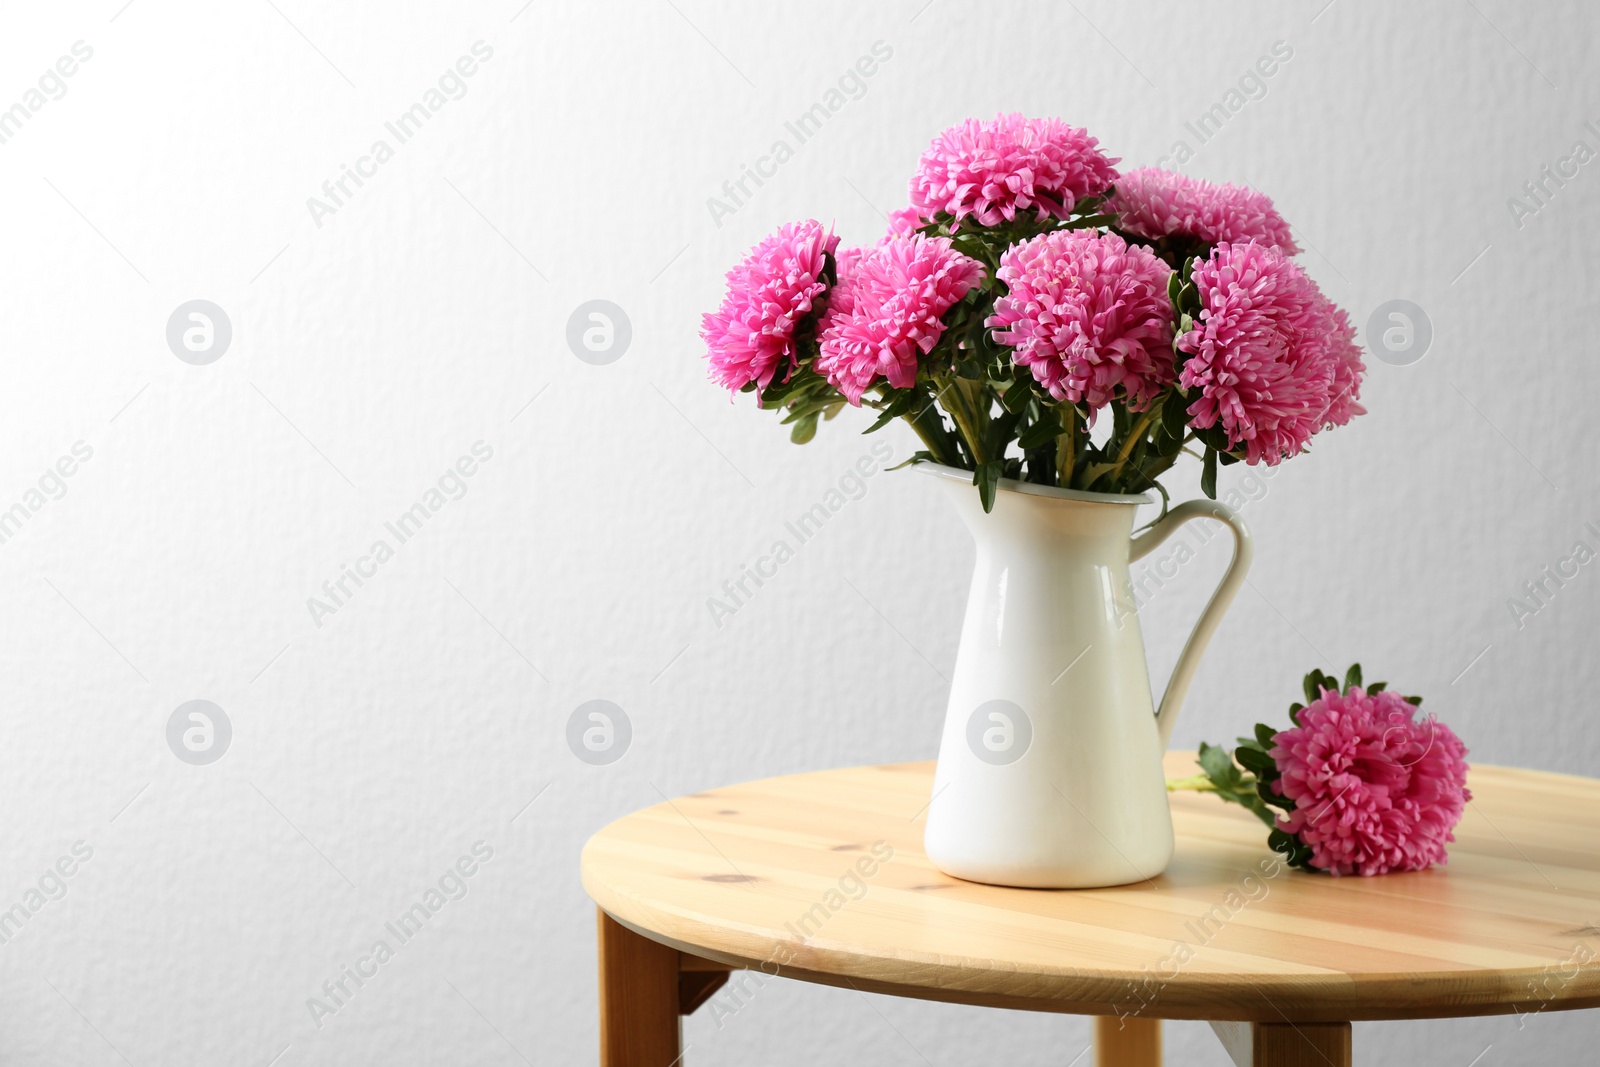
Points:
(1286, 1044)
(638, 999)
(645, 989)
(1127, 1042)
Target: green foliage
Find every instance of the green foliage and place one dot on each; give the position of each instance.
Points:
(805, 428)
(1208, 473)
(1231, 783)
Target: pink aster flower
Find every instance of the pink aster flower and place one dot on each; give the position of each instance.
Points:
(992, 171)
(887, 310)
(904, 221)
(1157, 203)
(848, 265)
(1088, 315)
(1374, 789)
(771, 294)
(1273, 360)
(1347, 371)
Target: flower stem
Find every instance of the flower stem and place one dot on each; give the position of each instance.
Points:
(1067, 450)
(931, 429)
(1198, 783)
(965, 423)
(1135, 435)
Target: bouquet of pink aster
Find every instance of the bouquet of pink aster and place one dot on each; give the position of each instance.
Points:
(1034, 314)
(1357, 785)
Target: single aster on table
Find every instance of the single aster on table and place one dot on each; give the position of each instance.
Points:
(994, 171)
(887, 311)
(1089, 316)
(773, 297)
(1357, 785)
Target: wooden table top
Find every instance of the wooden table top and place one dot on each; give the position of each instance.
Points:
(821, 877)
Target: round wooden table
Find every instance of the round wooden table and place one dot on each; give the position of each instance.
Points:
(821, 877)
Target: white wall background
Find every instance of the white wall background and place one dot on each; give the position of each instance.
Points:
(372, 351)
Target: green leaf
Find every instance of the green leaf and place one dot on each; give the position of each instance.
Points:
(1266, 735)
(1175, 415)
(1016, 397)
(1376, 687)
(1294, 712)
(1217, 763)
(1352, 676)
(998, 434)
(900, 405)
(1254, 760)
(1089, 222)
(1265, 794)
(1040, 433)
(1415, 702)
(1215, 436)
(885, 417)
(1231, 786)
(1120, 420)
(970, 246)
(805, 429)
(976, 333)
(921, 456)
(802, 408)
(1208, 473)
(1296, 854)
(987, 479)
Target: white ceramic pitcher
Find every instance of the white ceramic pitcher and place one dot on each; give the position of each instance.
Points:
(1050, 763)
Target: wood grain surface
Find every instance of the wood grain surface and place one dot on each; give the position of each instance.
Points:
(821, 877)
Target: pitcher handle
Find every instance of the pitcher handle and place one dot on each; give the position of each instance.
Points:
(1243, 550)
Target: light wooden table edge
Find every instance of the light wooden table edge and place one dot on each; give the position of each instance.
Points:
(1224, 998)
(647, 987)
